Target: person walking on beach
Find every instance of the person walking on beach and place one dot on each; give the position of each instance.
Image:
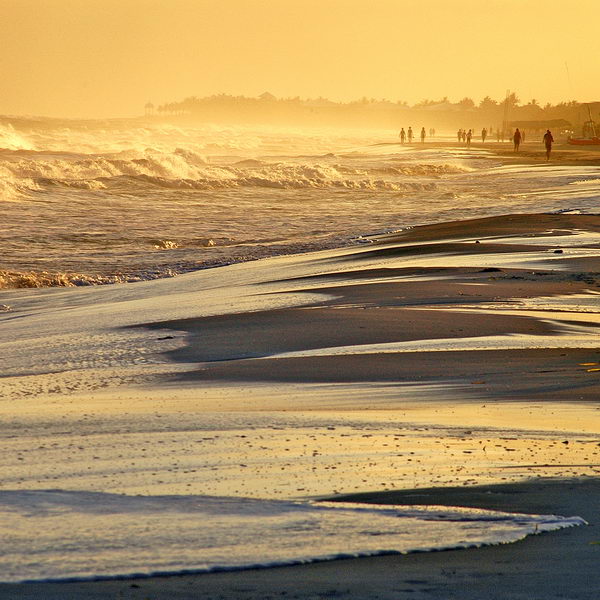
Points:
(517, 140)
(483, 134)
(410, 135)
(459, 135)
(422, 135)
(402, 136)
(548, 139)
(469, 136)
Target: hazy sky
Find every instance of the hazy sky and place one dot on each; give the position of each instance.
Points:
(110, 57)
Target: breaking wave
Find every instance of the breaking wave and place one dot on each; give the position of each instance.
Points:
(184, 169)
(43, 279)
(11, 188)
(10, 139)
(95, 202)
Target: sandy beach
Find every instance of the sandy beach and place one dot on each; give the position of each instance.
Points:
(562, 564)
(300, 300)
(474, 344)
(531, 152)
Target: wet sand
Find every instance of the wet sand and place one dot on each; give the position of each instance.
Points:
(557, 565)
(390, 293)
(532, 151)
(500, 297)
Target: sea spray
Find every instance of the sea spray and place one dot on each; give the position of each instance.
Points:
(256, 192)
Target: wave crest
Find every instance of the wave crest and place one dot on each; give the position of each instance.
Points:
(184, 169)
(10, 139)
(43, 279)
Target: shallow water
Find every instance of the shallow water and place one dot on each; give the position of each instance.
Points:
(136, 536)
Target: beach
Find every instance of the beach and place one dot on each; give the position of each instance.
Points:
(558, 565)
(454, 363)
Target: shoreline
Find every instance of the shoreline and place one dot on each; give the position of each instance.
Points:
(531, 152)
(425, 284)
(16, 276)
(428, 312)
(560, 564)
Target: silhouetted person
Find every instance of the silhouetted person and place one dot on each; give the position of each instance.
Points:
(410, 135)
(469, 136)
(483, 134)
(523, 137)
(459, 135)
(422, 135)
(517, 140)
(548, 139)
(402, 136)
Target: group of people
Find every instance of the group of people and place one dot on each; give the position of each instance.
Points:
(465, 137)
(408, 135)
(519, 138)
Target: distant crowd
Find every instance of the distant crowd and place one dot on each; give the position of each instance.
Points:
(465, 136)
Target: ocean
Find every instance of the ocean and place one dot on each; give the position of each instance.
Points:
(123, 201)
(105, 469)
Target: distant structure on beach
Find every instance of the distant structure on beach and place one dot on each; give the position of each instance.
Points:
(268, 97)
(541, 125)
(148, 109)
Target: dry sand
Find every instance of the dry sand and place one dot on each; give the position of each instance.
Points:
(445, 284)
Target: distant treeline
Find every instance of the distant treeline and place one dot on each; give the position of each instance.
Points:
(370, 112)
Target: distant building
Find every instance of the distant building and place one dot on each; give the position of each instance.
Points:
(442, 106)
(267, 96)
(149, 109)
(318, 103)
(541, 125)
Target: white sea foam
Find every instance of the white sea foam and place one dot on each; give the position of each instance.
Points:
(59, 535)
(11, 139)
(186, 169)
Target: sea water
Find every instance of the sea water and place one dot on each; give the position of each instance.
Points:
(112, 201)
(88, 493)
(84, 535)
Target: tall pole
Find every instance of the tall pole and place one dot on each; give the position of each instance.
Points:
(592, 124)
(505, 118)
